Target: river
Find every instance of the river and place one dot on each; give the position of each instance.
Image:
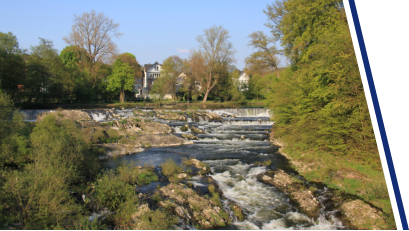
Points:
(231, 148)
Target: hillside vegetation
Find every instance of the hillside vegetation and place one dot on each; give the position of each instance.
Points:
(320, 111)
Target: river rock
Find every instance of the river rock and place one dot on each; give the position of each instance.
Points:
(184, 128)
(196, 130)
(201, 210)
(75, 115)
(118, 150)
(171, 116)
(190, 137)
(307, 202)
(293, 186)
(363, 216)
(204, 168)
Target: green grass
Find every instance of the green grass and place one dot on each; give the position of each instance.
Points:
(363, 179)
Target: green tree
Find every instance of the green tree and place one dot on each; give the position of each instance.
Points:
(216, 50)
(122, 78)
(48, 79)
(266, 58)
(320, 101)
(9, 43)
(96, 41)
(161, 86)
(171, 70)
(12, 65)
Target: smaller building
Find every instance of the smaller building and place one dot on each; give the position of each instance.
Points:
(243, 81)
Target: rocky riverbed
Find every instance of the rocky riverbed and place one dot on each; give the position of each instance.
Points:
(350, 209)
(238, 176)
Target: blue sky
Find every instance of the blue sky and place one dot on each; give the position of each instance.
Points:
(152, 30)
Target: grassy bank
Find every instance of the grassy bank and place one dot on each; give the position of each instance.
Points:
(364, 180)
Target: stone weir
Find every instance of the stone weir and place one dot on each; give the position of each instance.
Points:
(119, 132)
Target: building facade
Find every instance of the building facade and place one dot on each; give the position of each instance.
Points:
(150, 73)
(243, 81)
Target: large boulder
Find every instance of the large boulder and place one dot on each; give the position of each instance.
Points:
(184, 128)
(363, 216)
(203, 211)
(196, 130)
(304, 198)
(75, 115)
(190, 137)
(171, 116)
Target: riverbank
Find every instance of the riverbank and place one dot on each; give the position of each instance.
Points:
(359, 190)
(141, 104)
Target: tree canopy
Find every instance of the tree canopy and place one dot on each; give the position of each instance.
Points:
(122, 78)
(216, 51)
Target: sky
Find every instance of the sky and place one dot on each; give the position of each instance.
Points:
(152, 30)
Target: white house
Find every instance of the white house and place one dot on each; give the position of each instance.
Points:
(243, 81)
(150, 73)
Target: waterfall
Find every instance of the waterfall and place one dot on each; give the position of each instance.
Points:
(247, 122)
(31, 115)
(243, 112)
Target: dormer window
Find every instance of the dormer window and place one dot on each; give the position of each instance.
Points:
(157, 68)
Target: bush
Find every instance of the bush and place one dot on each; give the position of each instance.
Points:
(157, 197)
(266, 163)
(211, 188)
(157, 220)
(36, 197)
(112, 192)
(170, 168)
(85, 224)
(128, 172)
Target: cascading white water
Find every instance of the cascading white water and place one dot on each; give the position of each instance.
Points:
(231, 148)
(264, 204)
(99, 116)
(243, 112)
(248, 122)
(31, 115)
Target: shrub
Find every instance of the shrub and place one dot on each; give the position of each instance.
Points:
(85, 224)
(128, 172)
(157, 220)
(157, 197)
(216, 199)
(111, 192)
(99, 136)
(211, 188)
(123, 216)
(170, 168)
(36, 196)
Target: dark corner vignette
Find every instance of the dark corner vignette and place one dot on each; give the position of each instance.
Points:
(376, 114)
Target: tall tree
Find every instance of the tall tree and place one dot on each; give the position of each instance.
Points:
(266, 57)
(130, 59)
(94, 32)
(321, 101)
(160, 86)
(197, 73)
(12, 65)
(172, 68)
(216, 50)
(122, 78)
(9, 43)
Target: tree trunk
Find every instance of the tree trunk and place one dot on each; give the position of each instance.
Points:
(278, 75)
(205, 97)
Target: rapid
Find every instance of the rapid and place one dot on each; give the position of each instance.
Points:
(231, 148)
